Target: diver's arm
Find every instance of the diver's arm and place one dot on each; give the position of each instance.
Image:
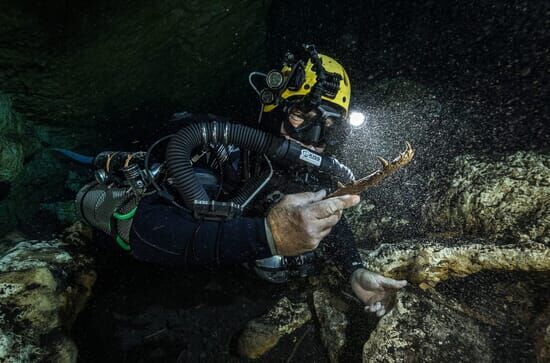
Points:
(164, 234)
(342, 250)
(170, 236)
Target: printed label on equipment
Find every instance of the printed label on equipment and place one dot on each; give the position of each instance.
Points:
(310, 157)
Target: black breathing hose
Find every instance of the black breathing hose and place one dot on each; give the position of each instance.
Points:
(181, 146)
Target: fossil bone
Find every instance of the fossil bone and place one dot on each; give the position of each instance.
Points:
(388, 168)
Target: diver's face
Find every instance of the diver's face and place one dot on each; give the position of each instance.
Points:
(297, 118)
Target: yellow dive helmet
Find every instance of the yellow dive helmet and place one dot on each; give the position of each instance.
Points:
(319, 84)
(300, 85)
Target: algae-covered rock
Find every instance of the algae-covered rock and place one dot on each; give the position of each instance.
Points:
(11, 159)
(15, 141)
(43, 286)
(333, 322)
(508, 198)
(428, 262)
(10, 121)
(263, 333)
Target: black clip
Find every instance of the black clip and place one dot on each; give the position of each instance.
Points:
(215, 211)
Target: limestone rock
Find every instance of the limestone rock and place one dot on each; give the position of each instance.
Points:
(506, 198)
(333, 322)
(263, 333)
(43, 286)
(420, 328)
(428, 262)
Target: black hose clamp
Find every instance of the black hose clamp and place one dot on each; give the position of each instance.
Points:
(215, 211)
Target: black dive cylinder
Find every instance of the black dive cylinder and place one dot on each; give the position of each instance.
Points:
(181, 146)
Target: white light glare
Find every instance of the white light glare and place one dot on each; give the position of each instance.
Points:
(357, 119)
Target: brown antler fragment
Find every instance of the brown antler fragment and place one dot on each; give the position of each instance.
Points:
(388, 168)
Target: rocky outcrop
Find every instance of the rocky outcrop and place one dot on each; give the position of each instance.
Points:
(487, 317)
(420, 328)
(263, 333)
(43, 286)
(508, 198)
(333, 321)
(428, 262)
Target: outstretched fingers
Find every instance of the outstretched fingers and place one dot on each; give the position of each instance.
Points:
(388, 283)
(377, 308)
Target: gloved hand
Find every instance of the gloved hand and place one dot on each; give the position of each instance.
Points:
(300, 221)
(374, 290)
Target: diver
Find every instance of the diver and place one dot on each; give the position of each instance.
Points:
(228, 194)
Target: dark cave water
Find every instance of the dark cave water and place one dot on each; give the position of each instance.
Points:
(452, 77)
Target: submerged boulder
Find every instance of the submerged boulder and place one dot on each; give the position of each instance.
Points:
(487, 317)
(333, 321)
(420, 328)
(507, 198)
(43, 286)
(263, 333)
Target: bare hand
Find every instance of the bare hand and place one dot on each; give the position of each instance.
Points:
(300, 221)
(374, 290)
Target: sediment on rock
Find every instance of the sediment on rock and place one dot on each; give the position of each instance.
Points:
(428, 262)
